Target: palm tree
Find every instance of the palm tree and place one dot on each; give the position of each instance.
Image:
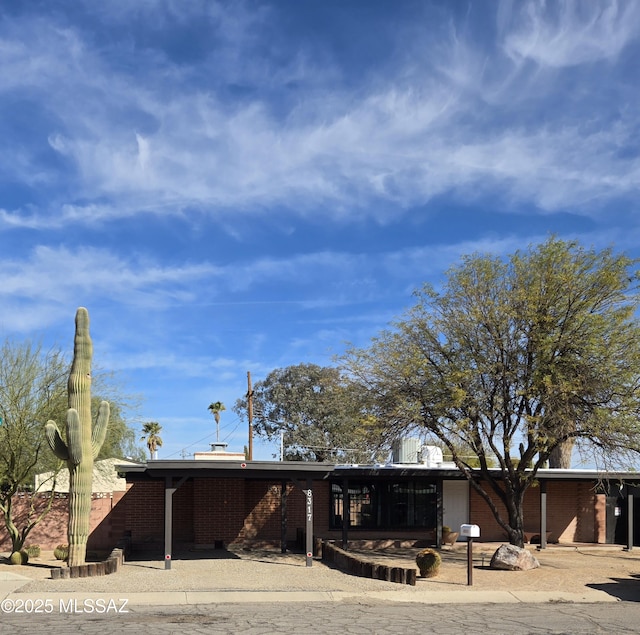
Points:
(151, 431)
(216, 408)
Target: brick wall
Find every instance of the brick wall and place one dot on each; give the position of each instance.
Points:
(218, 510)
(183, 529)
(144, 513)
(571, 513)
(107, 524)
(263, 521)
(241, 512)
(52, 530)
(263, 515)
(235, 511)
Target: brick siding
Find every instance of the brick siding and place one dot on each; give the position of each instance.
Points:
(52, 530)
(232, 511)
(571, 513)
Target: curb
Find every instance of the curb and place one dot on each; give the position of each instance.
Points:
(176, 598)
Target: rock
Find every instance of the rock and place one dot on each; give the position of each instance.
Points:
(512, 558)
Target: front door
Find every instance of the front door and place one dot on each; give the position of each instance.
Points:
(455, 502)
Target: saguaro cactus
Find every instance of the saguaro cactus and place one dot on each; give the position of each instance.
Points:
(83, 442)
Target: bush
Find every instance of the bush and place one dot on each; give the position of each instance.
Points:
(428, 561)
(61, 552)
(33, 551)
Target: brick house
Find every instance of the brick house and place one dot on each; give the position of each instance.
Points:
(266, 503)
(169, 505)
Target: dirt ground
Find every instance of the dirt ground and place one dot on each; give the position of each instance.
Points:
(566, 568)
(562, 567)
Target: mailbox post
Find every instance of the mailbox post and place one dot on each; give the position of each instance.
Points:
(470, 532)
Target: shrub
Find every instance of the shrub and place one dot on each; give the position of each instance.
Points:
(428, 561)
(33, 551)
(61, 552)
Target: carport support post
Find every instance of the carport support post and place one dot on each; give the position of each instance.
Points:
(309, 523)
(439, 512)
(543, 514)
(169, 491)
(283, 517)
(629, 518)
(346, 513)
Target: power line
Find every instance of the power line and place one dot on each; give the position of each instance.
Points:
(237, 421)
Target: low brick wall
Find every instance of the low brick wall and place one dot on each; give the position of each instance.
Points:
(356, 565)
(91, 569)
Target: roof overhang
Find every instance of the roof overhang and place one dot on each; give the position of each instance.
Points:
(292, 470)
(227, 469)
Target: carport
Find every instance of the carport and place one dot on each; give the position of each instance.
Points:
(175, 473)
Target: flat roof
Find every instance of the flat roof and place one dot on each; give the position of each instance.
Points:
(215, 468)
(160, 468)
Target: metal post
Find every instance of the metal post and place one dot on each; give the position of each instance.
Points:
(346, 513)
(168, 517)
(439, 512)
(629, 518)
(470, 562)
(309, 523)
(169, 491)
(283, 517)
(543, 514)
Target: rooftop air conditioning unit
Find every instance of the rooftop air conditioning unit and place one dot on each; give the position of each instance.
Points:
(431, 456)
(405, 451)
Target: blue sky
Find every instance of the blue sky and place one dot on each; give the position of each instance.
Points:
(246, 185)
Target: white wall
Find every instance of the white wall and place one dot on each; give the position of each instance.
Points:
(455, 499)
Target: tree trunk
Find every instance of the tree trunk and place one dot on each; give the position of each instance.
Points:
(514, 504)
(560, 457)
(513, 500)
(12, 530)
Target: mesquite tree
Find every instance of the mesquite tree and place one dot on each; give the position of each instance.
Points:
(32, 390)
(515, 359)
(83, 441)
(319, 412)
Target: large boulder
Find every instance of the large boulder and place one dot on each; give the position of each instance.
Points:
(512, 558)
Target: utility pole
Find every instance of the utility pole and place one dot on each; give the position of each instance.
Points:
(250, 414)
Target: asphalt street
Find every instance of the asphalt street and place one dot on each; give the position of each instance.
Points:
(347, 618)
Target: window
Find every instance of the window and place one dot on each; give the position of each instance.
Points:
(390, 505)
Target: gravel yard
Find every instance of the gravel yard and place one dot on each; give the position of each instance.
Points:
(563, 568)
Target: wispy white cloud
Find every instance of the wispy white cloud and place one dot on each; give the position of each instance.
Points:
(49, 279)
(57, 275)
(138, 145)
(229, 187)
(567, 33)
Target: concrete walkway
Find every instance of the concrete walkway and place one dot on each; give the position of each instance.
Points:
(10, 597)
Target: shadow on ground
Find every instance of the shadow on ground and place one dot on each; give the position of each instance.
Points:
(31, 564)
(183, 554)
(625, 589)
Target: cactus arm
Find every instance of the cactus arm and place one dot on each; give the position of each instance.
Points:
(54, 439)
(74, 438)
(100, 428)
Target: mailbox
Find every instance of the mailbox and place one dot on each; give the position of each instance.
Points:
(470, 531)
